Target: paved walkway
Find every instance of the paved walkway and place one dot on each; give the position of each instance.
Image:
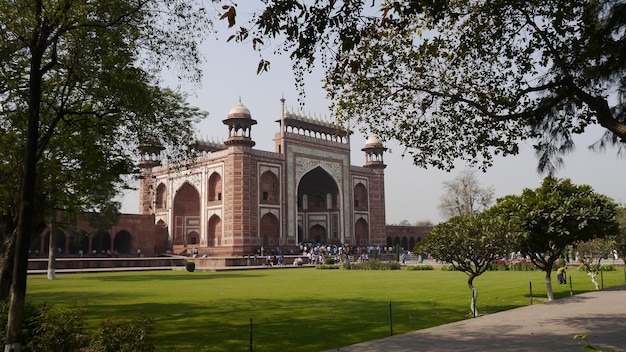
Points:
(547, 326)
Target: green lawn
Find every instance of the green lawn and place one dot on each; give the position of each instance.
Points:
(300, 309)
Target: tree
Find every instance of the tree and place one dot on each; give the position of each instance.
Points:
(470, 244)
(424, 223)
(554, 216)
(464, 196)
(591, 254)
(78, 93)
(462, 79)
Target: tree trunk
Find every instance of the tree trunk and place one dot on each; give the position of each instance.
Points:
(470, 284)
(27, 199)
(593, 275)
(549, 285)
(20, 269)
(52, 253)
(6, 268)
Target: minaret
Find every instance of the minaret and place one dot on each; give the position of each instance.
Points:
(150, 158)
(374, 150)
(240, 183)
(239, 124)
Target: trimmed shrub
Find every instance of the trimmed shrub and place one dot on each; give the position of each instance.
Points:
(190, 266)
(327, 266)
(419, 267)
(373, 265)
(498, 266)
(522, 265)
(448, 267)
(330, 261)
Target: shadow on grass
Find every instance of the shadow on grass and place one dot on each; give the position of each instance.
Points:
(277, 324)
(311, 325)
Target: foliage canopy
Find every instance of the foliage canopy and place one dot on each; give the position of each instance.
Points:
(78, 94)
(461, 79)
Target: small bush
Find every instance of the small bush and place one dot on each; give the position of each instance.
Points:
(49, 329)
(373, 265)
(57, 329)
(123, 336)
(603, 267)
(522, 265)
(497, 266)
(330, 261)
(190, 266)
(448, 267)
(419, 267)
(327, 266)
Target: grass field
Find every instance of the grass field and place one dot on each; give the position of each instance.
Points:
(300, 309)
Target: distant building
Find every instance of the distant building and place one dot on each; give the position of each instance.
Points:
(234, 199)
(132, 232)
(406, 236)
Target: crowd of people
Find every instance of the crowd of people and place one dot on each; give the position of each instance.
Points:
(317, 253)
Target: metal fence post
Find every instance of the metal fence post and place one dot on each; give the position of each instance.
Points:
(390, 321)
(250, 334)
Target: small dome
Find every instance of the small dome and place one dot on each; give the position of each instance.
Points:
(239, 110)
(373, 142)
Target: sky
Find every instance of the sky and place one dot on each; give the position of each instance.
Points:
(412, 193)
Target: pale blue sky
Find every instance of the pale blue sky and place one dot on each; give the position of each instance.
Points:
(411, 193)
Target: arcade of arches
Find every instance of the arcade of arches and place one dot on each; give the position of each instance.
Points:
(132, 232)
(405, 236)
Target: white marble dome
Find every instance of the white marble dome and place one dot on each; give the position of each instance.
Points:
(372, 142)
(239, 111)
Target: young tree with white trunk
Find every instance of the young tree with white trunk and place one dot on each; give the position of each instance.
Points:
(591, 254)
(470, 244)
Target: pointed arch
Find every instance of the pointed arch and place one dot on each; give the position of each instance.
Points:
(317, 234)
(100, 243)
(214, 231)
(319, 189)
(215, 188)
(122, 243)
(270, 230)
(193, 238)
(361, 232)
(186, 212)
(269, 188)
(360, 197)
(161, 197)
(60, 242)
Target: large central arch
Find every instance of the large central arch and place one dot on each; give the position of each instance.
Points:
(319, 209)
